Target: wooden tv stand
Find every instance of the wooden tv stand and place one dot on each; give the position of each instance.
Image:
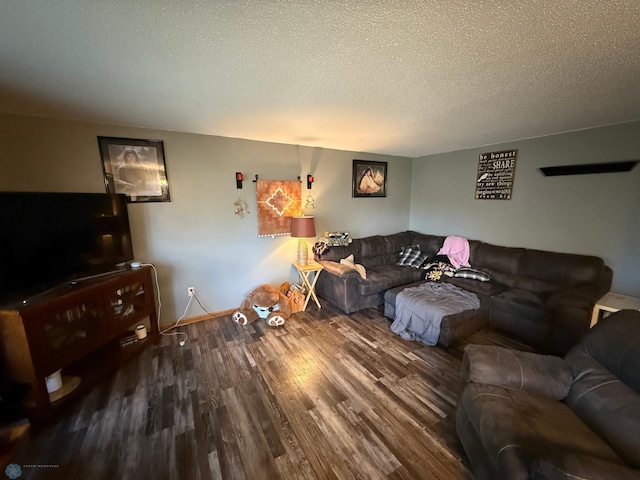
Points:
(75, 327)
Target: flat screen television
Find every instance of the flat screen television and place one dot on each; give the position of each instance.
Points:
(47, 239)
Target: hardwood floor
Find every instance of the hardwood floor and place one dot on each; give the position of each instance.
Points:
(326, 396)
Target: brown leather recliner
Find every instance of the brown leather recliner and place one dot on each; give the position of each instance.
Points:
(529, 416)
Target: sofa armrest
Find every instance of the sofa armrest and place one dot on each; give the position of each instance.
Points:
(571, 309)
(571, 467)
(584, 296)
(544, 375)
(338, 269)
(339, 285)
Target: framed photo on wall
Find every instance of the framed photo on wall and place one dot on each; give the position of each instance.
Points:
(369, 179)
(136, 168)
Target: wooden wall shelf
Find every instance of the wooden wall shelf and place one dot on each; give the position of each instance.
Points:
(589, 168)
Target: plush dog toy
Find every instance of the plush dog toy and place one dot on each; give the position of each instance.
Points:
(263, 302)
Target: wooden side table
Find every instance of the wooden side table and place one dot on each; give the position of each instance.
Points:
(309, 276)
(612, 302)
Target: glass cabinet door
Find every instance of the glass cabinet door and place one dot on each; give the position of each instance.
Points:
(71, 329)
(128, 302)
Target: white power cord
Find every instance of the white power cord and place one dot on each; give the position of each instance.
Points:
(163, 332)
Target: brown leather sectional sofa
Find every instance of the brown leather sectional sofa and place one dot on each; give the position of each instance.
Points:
(542, 297)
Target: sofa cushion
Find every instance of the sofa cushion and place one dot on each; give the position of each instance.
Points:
(396, 241)
(474, 245)
(551, 271)
(384, 277)
(499, 259)
(545, 375)
(517, 428)
(562, 268)
(429, 244)
(537, 285)
(501, 263)
(334, 254)
(381, 250)
(525, 301)
(372, 251)
(479, 288)
(524, 315)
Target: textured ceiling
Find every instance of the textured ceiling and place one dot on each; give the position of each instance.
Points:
(400, 77)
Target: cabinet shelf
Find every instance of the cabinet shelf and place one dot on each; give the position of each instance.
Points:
(76, 330)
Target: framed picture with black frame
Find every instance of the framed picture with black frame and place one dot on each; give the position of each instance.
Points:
(369, 179)
(135, 168)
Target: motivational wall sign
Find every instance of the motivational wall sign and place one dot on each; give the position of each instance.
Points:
(495, 175)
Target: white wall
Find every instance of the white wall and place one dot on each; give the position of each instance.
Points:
(196, 239)
(597, 214)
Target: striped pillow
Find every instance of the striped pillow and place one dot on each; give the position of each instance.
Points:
(409, 248)
(472, 274)
(411, 256)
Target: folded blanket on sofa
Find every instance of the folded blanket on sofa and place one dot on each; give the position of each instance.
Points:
(420, 310)
(457, 249)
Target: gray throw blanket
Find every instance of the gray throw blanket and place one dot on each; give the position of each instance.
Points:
(419, 310)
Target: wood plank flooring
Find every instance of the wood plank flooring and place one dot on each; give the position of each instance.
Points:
(327, 396)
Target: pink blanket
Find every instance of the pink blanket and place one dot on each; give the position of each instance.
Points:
(457, 249)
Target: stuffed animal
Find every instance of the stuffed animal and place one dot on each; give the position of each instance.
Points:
(263, 302)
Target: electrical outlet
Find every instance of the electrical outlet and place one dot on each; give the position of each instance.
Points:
(191, 291)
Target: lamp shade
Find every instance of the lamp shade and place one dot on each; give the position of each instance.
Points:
(303, 227)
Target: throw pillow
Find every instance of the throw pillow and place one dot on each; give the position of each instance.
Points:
(409, 247)
(349, 262)
(412, 256)
(409, 255)
(419, 260)
(472, 274)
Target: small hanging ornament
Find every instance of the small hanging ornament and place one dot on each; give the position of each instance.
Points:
(310, 202)
(241, 207)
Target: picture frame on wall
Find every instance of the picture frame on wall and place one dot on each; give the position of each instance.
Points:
(496, 171)
(369, 179)
(136, 168)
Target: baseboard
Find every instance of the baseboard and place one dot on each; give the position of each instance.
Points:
(199, 318)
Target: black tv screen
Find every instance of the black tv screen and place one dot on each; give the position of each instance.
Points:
(50, 238)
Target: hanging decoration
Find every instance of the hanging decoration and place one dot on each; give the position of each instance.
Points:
(241, 206)
(310, 202)
(278, 201)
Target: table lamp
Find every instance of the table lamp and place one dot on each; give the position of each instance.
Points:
(303, 228)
